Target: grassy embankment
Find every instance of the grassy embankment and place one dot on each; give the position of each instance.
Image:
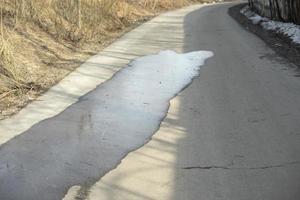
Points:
(42, 41)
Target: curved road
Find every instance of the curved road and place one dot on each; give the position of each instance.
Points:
(234, 133)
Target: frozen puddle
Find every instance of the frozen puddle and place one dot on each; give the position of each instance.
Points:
(91, 137)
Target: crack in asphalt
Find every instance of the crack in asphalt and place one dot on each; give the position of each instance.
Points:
(207, 167)
(242, 168)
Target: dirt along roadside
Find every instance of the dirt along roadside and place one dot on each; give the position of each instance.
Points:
(280, 43)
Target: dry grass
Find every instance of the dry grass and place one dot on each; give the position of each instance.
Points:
(75, 20)
(41, 41)
(10, 76)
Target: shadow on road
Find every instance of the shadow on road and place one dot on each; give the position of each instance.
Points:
(228, 148)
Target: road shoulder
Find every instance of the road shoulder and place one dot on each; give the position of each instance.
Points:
(280, 43)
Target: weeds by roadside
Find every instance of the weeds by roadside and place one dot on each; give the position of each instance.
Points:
(10, 76)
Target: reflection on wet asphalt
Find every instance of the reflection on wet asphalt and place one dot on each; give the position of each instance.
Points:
(88, 139)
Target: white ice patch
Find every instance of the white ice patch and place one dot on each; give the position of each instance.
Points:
(255, 18)
(289, 29)
(165, 74)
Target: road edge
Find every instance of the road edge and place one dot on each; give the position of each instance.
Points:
(280, 43)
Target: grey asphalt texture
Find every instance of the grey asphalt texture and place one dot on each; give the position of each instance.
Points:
(242, 118)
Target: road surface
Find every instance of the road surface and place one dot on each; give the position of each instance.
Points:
(234, 133)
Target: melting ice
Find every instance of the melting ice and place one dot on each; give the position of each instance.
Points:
(92, 136)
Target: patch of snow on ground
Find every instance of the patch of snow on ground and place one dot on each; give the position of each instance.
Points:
(171, 70)
(289, 29)
(255, 18)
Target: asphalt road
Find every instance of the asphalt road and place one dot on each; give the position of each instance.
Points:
(247, 123)
(234, 133)
(239, 126)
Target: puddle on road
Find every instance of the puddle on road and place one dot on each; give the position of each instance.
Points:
(91, 137)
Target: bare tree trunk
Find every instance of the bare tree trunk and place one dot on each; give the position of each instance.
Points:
(154, 4)
(1, 19)
(16, 13)
(79, 22)
(22, 9)
(271, 8)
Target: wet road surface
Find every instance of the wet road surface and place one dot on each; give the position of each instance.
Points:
(92, 136)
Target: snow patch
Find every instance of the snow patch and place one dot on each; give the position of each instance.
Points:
(166, 73)
(289, 29)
